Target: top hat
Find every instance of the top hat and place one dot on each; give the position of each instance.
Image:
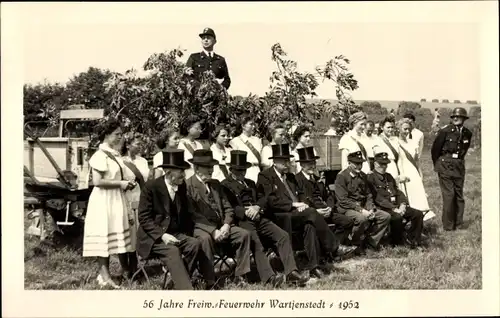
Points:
(306, 154)
(207, 31)
(382, 157)
(355, 157)
(174, 158)
(203, 157)
(281, 151)
(239, 160)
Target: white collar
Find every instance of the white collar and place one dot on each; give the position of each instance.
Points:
(208, 53)
(278, 173)
(308, 177)
(106, 147)
(172, 189)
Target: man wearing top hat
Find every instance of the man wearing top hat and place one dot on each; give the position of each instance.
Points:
(388, 197)
(242, 194)
(207, 60)
(285, 205)
(355, 200)
(166, 224)
(214, 215)
(448, 155)
(317, 196)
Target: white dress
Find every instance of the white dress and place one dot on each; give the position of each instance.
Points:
(223, 157)
(414, 189)
(187, 154)
(107, 230)
(347, 143)
(381, 146)
(134, 195)
(238, 143)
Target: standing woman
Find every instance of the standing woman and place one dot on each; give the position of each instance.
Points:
(353, 141)
(169, 139)
(221, 152)
(246, 141)
(191, 130)
(301, 139)
(388, 143)
(277, 134)
(109, 223)
(413, 188)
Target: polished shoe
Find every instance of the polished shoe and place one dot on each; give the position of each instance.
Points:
(317, 273)
(345, 252)
(275, 281)
(295, 278)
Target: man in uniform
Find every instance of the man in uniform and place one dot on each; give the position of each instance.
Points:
(448, 153)
(387, 197)
(207, 60)
(355, 200)
(242, 193)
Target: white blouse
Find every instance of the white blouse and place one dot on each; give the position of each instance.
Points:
(223, 157)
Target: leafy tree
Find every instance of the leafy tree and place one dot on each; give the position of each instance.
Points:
(457, 101)
(423, 100)
(435, 100)
(88, 88)
(407, 107)
(445, 101)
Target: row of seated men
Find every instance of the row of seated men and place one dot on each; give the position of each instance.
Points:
(185, 223)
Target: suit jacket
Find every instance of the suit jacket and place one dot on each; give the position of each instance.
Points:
(315, 194)
(241, 197)
(205, 217)
(200, 63)
(156, 212)
(271, 189)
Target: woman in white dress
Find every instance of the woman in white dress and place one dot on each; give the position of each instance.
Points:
(221, 152)
(301, 139)
(277, 133)
(109, 223)
(413, 188)
(169, 139)
(246, 141)
(388, 143)
(354, 140)
(191, 130)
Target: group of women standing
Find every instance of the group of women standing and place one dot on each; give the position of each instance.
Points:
(119, 172)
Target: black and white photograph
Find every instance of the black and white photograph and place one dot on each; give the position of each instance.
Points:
(227, 159)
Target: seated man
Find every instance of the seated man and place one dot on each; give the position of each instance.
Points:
(242, 194)
(318, 197)
(285, 206)
(389, 198)
(214, 216)
(354, 200)
(166, 224)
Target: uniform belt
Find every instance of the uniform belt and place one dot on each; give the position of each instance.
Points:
(450, 155)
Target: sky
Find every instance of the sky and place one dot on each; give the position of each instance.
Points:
(390, 60)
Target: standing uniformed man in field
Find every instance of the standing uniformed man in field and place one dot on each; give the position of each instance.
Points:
(207, 60)
(448, 154)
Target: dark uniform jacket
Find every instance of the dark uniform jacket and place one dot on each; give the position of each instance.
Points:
(209, 215)
(449, 149)
(271, 189)
(200, 63)
(385, 191)
(159, 215)
(352, 191)
(241, 196)
(315, 193)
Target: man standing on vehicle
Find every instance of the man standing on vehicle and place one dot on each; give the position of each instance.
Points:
(207, 60)
(448, 155)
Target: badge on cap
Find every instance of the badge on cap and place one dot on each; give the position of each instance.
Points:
(393, 199)
(455, 155)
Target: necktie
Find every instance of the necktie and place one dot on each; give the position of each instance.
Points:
(287, 187)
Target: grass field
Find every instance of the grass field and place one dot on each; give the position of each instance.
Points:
(453, 260)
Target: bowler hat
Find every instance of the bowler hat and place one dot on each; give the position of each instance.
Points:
(207, 31)
(382, 157)
(239, 160)
(281, 151)
(203, 157)
(306, 154)
(355, 157)
(174, 158)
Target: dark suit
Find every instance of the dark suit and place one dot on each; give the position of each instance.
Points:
(200, 63)
(280, 210)
(387, 197)
(448, 155)
(158, 214)
(318, 197)
(242, 196)
(212, 211)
